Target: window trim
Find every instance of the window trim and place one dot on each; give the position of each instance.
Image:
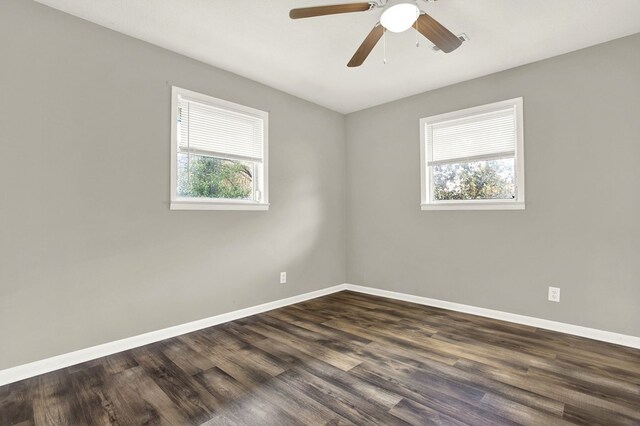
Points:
(425, 170)
(188, 203)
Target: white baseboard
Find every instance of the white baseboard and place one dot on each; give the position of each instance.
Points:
(36, 368)
(576, 330)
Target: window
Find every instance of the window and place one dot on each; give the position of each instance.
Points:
(218, 154)
(473, 159)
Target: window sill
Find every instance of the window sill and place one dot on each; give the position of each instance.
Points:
(218, 205)
(474, 206)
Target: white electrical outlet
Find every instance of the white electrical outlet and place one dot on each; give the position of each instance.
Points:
(283, 277)
(554, 294)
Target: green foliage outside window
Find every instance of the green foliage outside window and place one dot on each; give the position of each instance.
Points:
(209, 177)
(493, 179)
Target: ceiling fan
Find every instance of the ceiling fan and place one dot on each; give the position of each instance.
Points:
(397, 16)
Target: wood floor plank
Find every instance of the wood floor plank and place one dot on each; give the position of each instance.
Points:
(248, 353)
(326, 338)
(391, 339)
(94, 400)
(603, 389)
(243, 404)
(117, 363)
(335, 358)
(331, 374)
(187, 358)
(589, 415)
(423, 394)
(242, 332)
(54, 401)
(319, 329)
(350, 406)
(247, 374)
(540, 402)
(298, 405)
(424, 381)
(559, 392)
(16, 403)
(417, 414)
(594, 379)
(146, 401)
(520, 413)
(343, 359)
(191, 400)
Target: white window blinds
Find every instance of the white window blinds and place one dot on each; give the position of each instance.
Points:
(219, 132)
(488, 135)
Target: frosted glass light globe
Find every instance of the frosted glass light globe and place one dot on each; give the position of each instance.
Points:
(399, 17)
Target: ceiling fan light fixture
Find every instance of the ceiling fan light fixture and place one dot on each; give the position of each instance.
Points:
(399, 16)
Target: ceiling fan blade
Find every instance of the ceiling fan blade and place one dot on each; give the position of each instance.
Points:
(367, 46)
(334, 9)
(433, 30)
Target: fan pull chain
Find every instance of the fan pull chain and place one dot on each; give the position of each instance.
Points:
(417, 34)
(384, 46)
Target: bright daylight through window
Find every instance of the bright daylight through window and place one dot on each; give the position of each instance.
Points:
(219, 154)
(473, 158)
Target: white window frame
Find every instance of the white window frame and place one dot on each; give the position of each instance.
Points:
(190, 203)
(427, 203)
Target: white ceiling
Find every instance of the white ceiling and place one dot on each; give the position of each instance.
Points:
(308, 57)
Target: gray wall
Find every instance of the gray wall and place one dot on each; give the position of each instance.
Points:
(581, 227)
(89, 251)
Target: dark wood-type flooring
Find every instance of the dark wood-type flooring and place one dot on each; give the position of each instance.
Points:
(347, 358)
